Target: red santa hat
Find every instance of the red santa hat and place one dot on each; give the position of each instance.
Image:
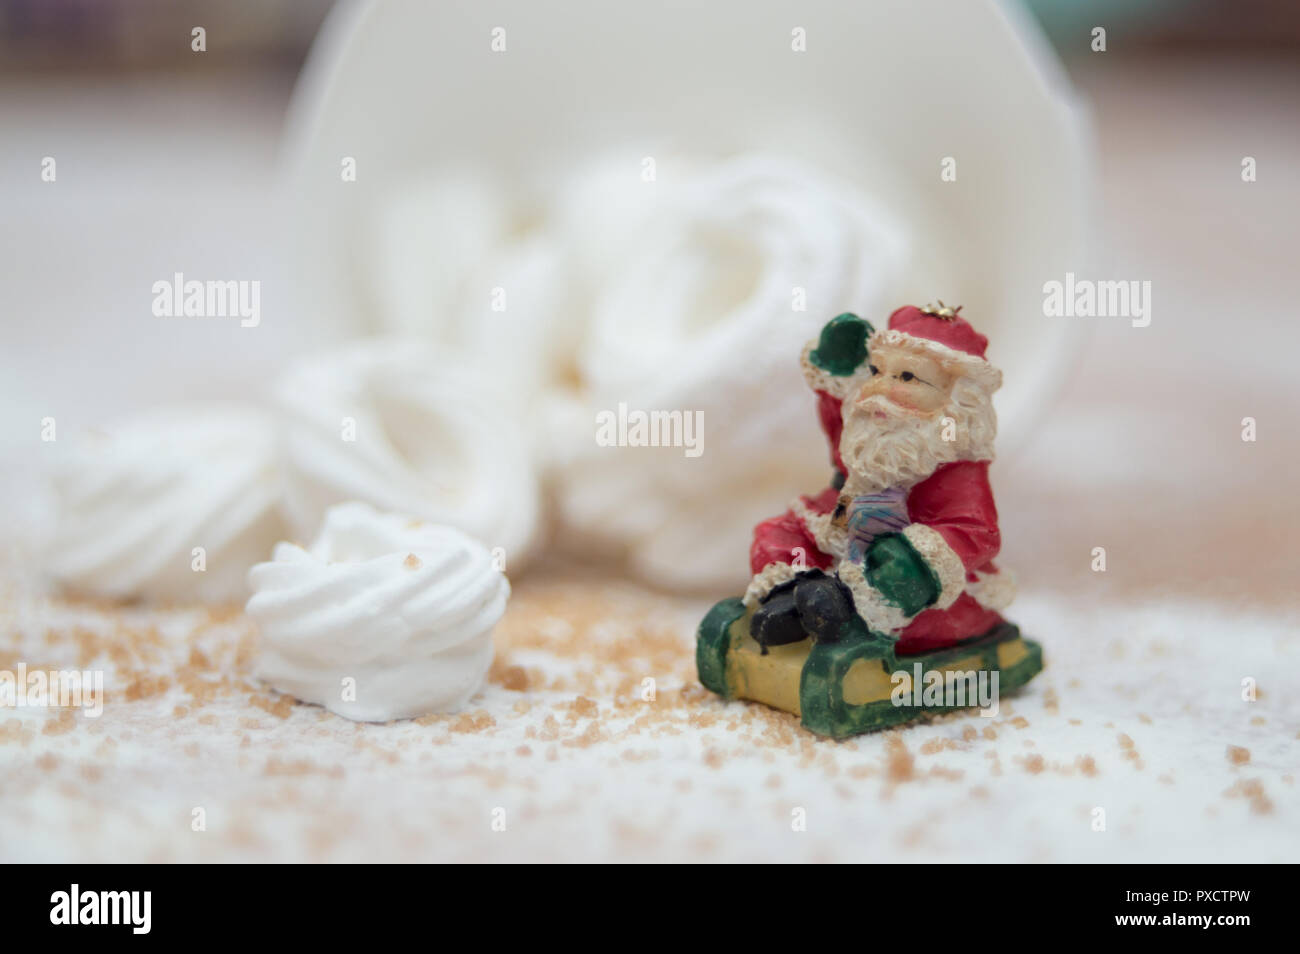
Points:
(943, 334)
(942, 325)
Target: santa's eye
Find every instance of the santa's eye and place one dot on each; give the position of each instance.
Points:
(907, 375)
(874, 369)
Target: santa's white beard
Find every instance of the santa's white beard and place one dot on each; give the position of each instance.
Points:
(902, 448)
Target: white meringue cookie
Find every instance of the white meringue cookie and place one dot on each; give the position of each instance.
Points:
(449, 264)
(137, 498)
(694, 282)
(425, 236)
(410, 429)
(406, 609)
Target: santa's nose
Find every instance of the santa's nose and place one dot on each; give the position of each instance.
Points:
(872, 393)
(866, 393)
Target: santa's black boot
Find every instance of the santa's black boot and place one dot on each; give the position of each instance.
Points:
(776, 621)
(824, 605)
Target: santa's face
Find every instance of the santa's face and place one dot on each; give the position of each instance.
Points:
(913, 383)
(913, 414)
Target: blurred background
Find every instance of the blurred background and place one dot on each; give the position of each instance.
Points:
(120, 36)
(169, 158)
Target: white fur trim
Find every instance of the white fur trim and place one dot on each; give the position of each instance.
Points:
(967, 365)
(880, 615)
(821, 380)
(993, 591)
(766, 580)
(830, 538)
(942, 561)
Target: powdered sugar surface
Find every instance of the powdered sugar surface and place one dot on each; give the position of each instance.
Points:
(1134, 715)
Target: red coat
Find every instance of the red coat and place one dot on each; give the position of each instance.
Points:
(956, 501)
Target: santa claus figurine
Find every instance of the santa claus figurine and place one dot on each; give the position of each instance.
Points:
(896, 557)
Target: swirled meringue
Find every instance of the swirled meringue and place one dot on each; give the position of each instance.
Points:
(701, 286)
(411, 429)
(449, 262)
(137, 500)
(384, 617)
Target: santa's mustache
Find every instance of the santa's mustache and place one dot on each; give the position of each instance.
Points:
(878, 405)
(885, 445)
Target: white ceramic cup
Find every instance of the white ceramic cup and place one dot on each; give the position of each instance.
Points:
(884, 96)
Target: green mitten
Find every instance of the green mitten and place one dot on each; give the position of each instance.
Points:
(842, 347)
(895, 569)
